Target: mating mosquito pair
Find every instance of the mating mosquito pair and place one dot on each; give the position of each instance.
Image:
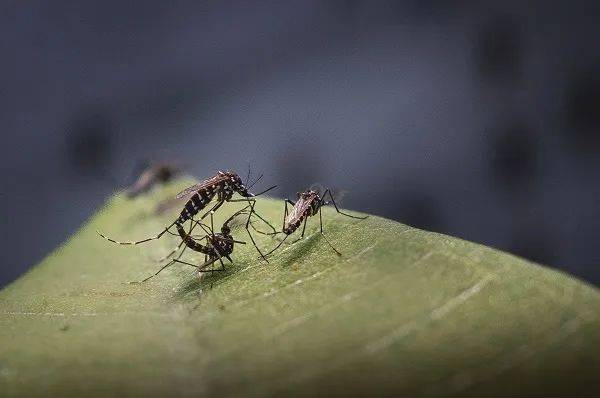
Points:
(217, 247)
(220, 245)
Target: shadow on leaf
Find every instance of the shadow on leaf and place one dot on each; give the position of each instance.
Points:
(304, 247)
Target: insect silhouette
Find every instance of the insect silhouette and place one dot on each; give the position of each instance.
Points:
(217, 245)
(223, 185)
(152, 175)
(309, 203)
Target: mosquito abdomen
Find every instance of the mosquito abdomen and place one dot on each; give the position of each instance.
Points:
(189, 241)
(195, 204)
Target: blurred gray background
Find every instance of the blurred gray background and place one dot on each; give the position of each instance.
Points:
(475, 119)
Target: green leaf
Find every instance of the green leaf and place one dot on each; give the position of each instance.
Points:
(402, 312)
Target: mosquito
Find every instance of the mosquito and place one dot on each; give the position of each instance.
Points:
(226, 225)
(309, 203)
(217, 247)
(223, 185)
(152, 175)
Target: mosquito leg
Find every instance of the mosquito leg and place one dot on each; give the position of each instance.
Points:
(214, 270)
(157, 272)
(304, 228)
(203, 226)
(220, 260)
(185, 262)
(213, 209)
(251, 202)
(181, 253)
(322, 234)
(222, 266)
(275, 232)
(242, 210)
(210, 261)
(138, 241)
(285, 213)
(327, 191)
(277, 247)
(266, 233)
(250, 235)
(193, 225)
(263, 220)
(201, 268)
(172, 252)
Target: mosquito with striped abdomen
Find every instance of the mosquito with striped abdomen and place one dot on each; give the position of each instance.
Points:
(223, 185)
(218, 245)
(309, 203)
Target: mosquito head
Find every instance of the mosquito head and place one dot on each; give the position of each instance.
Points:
(222, 244)
(310, 194)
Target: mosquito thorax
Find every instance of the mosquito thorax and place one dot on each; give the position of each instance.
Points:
(235, 183)
(223, 243)
(308, 195)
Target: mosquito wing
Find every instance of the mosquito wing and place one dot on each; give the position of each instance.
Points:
(189, 190)
(169, 204)
(298, 210)
(204, 184)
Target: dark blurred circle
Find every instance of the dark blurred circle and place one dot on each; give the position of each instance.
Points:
(89, 141)
(514, 157)
(583, 110)
(498, 49)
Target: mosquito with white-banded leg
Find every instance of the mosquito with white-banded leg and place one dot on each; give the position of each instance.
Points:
(218, 245)
(223, 185)
(309, 203)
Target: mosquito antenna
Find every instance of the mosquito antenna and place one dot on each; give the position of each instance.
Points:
(266, 190)
(255, 181)
(248, 177)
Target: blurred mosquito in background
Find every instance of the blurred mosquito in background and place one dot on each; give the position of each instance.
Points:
(223, 185)
(152, 175)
